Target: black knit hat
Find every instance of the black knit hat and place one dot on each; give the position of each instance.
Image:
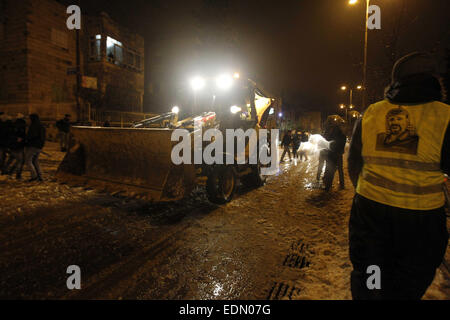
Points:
(414, 64)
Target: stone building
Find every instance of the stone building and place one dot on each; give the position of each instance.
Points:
(38, 62)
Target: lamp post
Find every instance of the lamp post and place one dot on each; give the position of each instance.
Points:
(364, 85)
(342, 106)
(344, 88)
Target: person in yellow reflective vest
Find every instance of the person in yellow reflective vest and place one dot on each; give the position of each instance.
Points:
(399, 152)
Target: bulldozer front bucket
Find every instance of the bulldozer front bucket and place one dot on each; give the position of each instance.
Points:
(133, 162)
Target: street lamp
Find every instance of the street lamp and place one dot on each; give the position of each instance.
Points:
(344, 88)
(342, 107)
(364, 85)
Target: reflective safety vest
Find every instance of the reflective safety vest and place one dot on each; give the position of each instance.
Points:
(401, 149)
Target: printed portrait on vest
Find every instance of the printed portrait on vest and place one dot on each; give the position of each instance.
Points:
(400, 133)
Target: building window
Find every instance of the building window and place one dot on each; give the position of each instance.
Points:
(95, 50)
(114, 51)
(118, 54)
(59, 38)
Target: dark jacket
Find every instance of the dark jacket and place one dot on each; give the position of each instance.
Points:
(6, 133)
(36, 135)
(337, 140)
(18, 135)
(296, 140)
(418, 89)
(63, 125)
(287, 139)
(304, 137)
(2, 134)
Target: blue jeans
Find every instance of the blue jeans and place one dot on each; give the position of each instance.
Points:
(32, 161)
(15, 162)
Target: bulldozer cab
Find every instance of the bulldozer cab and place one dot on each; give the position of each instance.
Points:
(243, 107)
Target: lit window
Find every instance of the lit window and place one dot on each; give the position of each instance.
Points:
(114, 51)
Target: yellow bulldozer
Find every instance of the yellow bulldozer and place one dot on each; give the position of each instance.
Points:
(136, 162)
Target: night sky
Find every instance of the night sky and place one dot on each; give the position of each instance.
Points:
(304, 50)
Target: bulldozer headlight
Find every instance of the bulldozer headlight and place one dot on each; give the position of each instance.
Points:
(175, 109)
(235, 109)
(224, 81)
(197, 83)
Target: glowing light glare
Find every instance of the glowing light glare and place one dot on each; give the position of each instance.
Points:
(175, 109)
(110, 42)
(271, 111)
(352, 2)
(342, 106)
(351, 106)
(280, 114)
(359, 87)
(343, 88)
(197, 83)
(236, 75)
(235, 109)
(224, 81)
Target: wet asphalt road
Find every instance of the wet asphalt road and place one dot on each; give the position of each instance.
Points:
(285, 240)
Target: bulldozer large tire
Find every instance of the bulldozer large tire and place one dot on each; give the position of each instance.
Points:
(221, 184)
(254, 179)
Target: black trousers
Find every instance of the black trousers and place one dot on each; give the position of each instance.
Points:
(408, 246)
(334, 162)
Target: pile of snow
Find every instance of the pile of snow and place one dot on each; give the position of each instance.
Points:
(319, 142)
(314, 145)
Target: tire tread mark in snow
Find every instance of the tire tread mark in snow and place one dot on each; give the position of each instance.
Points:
(105, 283)
(286, 292)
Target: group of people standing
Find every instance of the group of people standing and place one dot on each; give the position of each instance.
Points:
(293, 139)
(331, 158)
(21, 143)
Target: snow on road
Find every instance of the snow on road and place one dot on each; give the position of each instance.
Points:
(285, 240)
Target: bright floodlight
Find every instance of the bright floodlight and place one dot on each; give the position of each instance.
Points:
(175, 109)
(224, 81)
(235, 109)
(236, 75)
(353, 2)
(197, 83)
(343, 88)
(280, 114)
